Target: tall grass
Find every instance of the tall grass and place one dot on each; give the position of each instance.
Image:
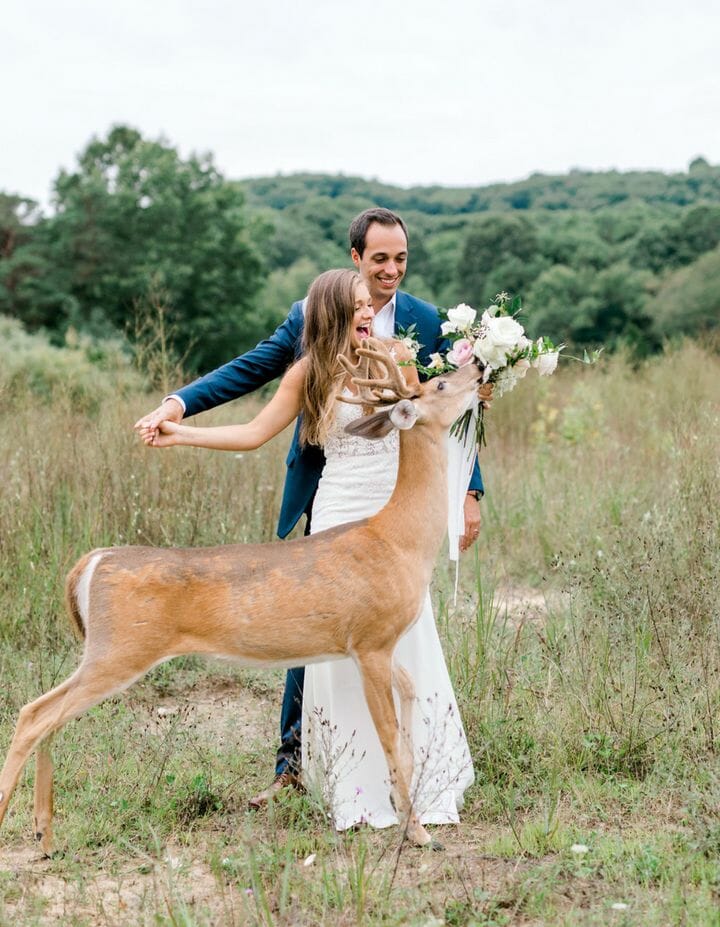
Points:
(593, 721)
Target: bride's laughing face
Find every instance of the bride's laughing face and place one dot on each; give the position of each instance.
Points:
(364, 315)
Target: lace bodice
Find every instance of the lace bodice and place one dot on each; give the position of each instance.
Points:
(359, 475)
(339, 444)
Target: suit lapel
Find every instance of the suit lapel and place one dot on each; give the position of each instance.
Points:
(404, 316)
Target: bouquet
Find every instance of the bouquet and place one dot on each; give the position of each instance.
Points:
(498, 342)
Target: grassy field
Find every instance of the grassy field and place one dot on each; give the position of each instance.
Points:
(584, 647)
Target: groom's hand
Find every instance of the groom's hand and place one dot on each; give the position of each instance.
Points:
(473, 520)
(148, 426)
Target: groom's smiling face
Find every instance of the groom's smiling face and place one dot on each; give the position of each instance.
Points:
(383, 261)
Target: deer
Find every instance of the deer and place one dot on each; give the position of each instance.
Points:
(350, 591)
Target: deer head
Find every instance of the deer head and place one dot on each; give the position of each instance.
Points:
(436, 403)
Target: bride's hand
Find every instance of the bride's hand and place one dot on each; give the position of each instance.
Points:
(485, 393)
(166, 434)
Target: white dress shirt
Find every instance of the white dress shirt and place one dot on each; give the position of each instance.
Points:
(383, 325)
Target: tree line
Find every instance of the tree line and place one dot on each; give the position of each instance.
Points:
(135, 230)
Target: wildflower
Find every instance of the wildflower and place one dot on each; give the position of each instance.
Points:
(411, 345)
(579, 849)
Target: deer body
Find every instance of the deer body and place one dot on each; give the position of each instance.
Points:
(350, 591)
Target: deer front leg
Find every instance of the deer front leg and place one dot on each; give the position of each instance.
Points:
(405, 689)
(44, 796)
(377, 673)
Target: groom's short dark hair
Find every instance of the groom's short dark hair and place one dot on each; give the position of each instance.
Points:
(361, 223)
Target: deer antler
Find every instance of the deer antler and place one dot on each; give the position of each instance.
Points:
(357, 372)
(375, 390)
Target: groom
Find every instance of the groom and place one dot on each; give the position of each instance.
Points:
(379, 250)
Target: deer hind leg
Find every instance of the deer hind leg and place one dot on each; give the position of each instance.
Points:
(88, 685)
(377, 675)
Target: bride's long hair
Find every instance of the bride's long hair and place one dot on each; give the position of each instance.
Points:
(329, 313)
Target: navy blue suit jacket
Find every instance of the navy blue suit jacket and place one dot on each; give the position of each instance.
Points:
(269, 360)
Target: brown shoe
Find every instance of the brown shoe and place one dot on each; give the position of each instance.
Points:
(285, 780)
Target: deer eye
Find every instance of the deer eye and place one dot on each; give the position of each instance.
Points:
(441, 384)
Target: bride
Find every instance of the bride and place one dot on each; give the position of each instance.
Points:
(342, 759)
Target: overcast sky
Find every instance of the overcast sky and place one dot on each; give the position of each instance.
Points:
(407, 91)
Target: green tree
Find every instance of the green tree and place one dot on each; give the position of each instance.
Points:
(440, 269)
(698, 232)
(662, 246)
(32, 285)
(135, 216)
(499, 251)
(282, 287)
(587, 309)
(688, 302)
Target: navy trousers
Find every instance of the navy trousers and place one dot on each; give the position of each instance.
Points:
(288, 755)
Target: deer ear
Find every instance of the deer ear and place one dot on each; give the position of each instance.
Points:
(374, 426)
(404, 415)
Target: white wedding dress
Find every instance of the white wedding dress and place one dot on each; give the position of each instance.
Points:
(341, 753)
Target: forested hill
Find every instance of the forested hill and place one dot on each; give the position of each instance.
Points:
(576, 190)
(599, 258)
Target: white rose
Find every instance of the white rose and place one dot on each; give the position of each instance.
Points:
(448, 328)
(461, 316)
(488, 353)
(545, 364)
(501, 339)
(505, 331)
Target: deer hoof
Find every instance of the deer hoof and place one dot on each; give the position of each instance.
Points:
(44, 838)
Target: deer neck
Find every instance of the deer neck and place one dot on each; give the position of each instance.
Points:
(416, 514)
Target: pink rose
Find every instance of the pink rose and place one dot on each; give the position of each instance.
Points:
(461, 353)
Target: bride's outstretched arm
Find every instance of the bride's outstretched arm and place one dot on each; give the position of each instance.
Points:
(282, 409)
